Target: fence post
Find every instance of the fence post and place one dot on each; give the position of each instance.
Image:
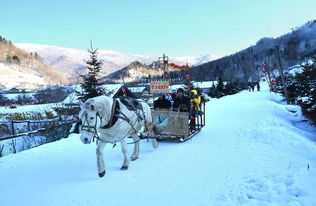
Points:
(28, 125)
(12, 127)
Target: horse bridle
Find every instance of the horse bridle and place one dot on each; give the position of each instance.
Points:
(93, 129)
(89, 128)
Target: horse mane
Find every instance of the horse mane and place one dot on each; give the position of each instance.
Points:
(102, 104)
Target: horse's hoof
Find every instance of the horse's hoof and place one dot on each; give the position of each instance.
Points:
(155, 144)
(134, 158)
(102, 174)
(124, 167)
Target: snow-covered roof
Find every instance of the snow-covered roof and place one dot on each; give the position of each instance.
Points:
(205, 84)
(136, 89)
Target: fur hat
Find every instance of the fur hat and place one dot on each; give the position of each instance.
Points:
(180, 90)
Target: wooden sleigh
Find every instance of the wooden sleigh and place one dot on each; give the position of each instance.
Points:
(179, 127)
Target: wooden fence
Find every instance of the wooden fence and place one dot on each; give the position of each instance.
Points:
(18, 140)
(14, 129)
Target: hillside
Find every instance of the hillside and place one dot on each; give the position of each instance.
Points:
(24, 70)
(70, 61)
(263, 159)
(132, 72)
(293, 46)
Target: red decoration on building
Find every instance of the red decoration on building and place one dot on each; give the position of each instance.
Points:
(178, 66)
(187, 76)
(166, 73)
(264, 65)
(263, 70)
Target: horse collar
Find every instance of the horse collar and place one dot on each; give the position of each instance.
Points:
(114, 114)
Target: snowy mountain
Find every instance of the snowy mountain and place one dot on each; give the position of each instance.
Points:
(237, 159)
(25, 70)
(70, 61)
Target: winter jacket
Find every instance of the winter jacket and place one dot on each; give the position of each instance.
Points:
(182, 103)
(195, 100)
(162, 103)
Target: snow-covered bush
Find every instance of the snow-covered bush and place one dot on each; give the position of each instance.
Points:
(302, 88)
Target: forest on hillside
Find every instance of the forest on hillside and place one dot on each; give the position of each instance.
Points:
(240, 66)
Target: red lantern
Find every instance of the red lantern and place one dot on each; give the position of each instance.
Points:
(264, 65)
(165, 61)
(263, 80)
(166, 73)
(188, 76)
(188, 86)
(263, 75)
(263, 70)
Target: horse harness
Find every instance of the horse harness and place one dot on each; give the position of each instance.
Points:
(115, 115)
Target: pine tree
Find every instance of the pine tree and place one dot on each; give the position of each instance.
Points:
(90, 85)
(302, 88)
(307, 86)
(220, 88)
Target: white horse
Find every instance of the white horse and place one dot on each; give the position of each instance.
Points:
(99, 119)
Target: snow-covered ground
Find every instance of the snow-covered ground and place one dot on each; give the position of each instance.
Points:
(251, 152)
(29, 108)
(19, 77)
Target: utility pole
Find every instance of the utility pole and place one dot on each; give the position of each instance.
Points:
(268, 74)
(282, 75)
(165, 60)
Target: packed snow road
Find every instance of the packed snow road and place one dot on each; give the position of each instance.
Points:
(251, 152)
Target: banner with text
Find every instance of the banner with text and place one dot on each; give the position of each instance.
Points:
(162, 86)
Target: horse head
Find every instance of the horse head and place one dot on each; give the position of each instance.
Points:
(92, 113)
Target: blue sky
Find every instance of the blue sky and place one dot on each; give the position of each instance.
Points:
(173, 27)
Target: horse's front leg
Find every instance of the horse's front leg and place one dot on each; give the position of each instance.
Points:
(100, 161)
(124, 150)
